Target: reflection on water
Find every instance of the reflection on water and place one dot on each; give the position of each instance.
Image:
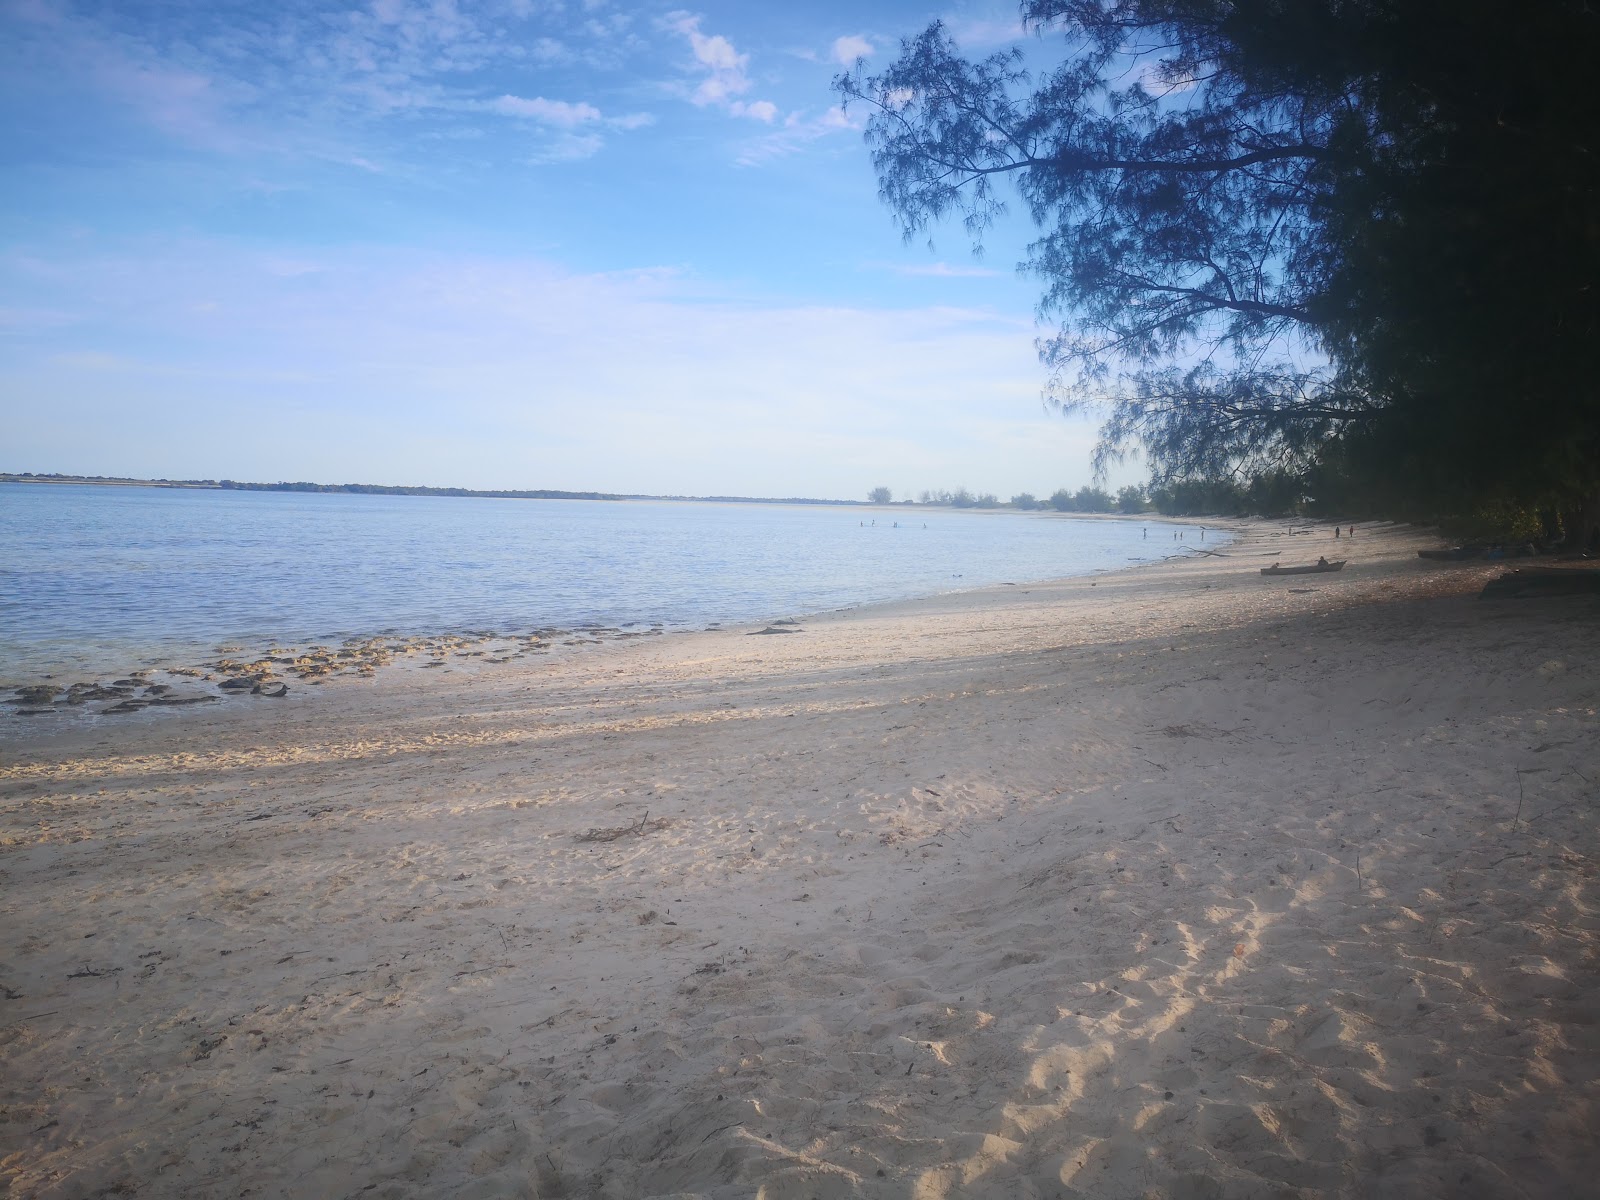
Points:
(89, 574)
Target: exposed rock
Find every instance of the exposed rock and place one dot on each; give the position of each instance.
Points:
(80, 693)
(270, 689)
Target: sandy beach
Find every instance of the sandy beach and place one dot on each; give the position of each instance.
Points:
(1176, 882)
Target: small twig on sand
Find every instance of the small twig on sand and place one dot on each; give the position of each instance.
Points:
(1358, 871)
(1518, 817)
(640, 827)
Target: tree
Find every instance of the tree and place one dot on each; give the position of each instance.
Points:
(1025, 501)
(1277, 232)
(1199, 497)
(1061, 500)
(1131, 499)
(1092, 499)
(880, 495)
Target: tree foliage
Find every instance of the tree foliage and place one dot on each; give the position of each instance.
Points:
(880, 495)
(1273, 231)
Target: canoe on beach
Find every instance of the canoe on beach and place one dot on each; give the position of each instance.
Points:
(1316, 568)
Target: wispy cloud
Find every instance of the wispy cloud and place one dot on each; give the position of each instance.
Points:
(799, 130)
(33, 320)
(972, 33)
(637, 120)
(705, 391)
(724, 72)
(567, 148)
(942, 270)
(308, 81)
(573, 128)
(559, 113)
(847, 49)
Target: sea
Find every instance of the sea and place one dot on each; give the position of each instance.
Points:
(111, 577)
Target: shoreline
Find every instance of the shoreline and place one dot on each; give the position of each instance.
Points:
(1174, 881)
(181, 679)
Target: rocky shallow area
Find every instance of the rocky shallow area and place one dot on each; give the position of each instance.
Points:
(238, 671)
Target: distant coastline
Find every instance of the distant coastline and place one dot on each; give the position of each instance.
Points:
(383, 489)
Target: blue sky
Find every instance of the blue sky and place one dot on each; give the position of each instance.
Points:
(500, 244)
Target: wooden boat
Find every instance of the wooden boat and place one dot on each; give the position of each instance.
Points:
(1316, 568)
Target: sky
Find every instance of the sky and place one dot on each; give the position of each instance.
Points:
(571, 244)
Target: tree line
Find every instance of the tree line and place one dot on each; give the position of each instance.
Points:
(1131, 499)
(1346, 251)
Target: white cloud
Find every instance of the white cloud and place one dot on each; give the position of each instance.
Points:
(573, 125)
(851, 47)
(700, 392)
(631, 121)
(725, 71)
(798, 132)
(309, 82)
(559, 113)
(549, 50)
(760, 110)
(898, 98)
(568, 147)
(978, 34)
(944, 270)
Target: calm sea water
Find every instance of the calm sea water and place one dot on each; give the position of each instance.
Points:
(106, 577)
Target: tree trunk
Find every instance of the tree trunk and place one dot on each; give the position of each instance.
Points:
(1581, 522)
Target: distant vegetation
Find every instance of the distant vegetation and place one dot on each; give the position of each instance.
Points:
(1086, 499)
(381, 489)
(364, 489)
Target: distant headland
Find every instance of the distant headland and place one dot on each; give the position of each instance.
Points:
(383, 489)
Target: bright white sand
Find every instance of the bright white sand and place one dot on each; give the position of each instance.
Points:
(1177, 883)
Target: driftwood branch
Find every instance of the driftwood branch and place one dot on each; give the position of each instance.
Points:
(638, 828)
